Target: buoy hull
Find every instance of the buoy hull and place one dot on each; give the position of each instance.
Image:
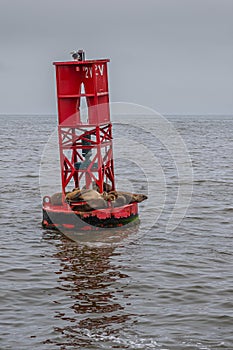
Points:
(64, 218)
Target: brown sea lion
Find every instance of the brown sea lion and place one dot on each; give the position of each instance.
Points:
(106, 187)
(88, 195)
(98, 203)
(74, 195)
(56, 198)
(119, 201)
(128, 197)
(94, 199)
(109, 196)
(139, 198)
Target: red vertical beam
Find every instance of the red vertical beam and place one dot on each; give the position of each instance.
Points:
(99, 157)
(112, 163)
(61, 163)
(95, 101)
(74, 156)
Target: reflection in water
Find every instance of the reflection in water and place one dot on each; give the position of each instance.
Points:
(95, 286)
(104, 236)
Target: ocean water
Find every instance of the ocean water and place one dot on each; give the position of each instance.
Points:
(152, 287)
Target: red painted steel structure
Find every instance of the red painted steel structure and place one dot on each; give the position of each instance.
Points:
(85, 145)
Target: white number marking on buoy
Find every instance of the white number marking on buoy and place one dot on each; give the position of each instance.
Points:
(88, 72)
(99, 69)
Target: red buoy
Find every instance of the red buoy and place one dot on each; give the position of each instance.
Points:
(85, 143)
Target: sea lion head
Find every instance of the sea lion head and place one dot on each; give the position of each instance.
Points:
(139, 197)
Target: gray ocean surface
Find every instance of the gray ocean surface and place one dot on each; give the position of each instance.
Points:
(149, 290)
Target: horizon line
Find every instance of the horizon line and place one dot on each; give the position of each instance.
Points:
(166, 114)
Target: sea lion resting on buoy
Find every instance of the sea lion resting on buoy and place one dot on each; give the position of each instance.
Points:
(98, 200)
(123, 198)
(56, 198)
(94, 199)
(82, 195)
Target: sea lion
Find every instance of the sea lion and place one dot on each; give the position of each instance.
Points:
(56, 198)
(94, 199)
(127, 197)
(139, 197)
(106, 187)
(119, 201)
(88, 195)
(74, 195)
(109, 196)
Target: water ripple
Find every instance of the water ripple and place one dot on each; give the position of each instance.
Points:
(153, 291)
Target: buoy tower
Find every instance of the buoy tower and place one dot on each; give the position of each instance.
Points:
(85, 144)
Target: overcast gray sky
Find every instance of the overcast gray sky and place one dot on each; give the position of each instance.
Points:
(175, 56)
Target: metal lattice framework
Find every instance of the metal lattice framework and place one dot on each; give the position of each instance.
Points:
(85, 143)
(85, 146)
(86, 156)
